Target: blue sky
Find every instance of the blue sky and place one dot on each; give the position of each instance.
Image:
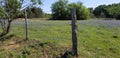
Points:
(88, 3)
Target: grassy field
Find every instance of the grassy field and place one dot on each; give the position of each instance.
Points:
(96, 39)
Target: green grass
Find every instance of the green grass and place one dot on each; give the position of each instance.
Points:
(94, 41)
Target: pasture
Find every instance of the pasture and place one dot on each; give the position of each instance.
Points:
(96, 39)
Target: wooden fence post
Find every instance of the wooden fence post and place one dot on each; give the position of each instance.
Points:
(74, 32)
(26, 25)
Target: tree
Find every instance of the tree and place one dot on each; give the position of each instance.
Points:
(10, 9)
(46, 15)
(114, 10)
(81, 11)
(100, 10)
(34, 12)
(108, 11)
(59, 9)
(91, 12)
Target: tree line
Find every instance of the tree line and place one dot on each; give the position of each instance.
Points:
(33, 12)
(61, 10)
(108, 11)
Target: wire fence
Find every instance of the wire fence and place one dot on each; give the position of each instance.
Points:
(38, 28)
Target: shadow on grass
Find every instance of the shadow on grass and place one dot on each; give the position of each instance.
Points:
(6, 37)
(68, 54)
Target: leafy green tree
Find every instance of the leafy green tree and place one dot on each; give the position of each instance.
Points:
(91, 12)
(46, 15)
(108, 11)
(117, 16)
(33, 12)
(81, 11)
(1, 12)
(10, 9)
(100, 10)
(114, 10)
(59, 9)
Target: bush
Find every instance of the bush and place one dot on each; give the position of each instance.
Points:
(117, 16)
(62, 10)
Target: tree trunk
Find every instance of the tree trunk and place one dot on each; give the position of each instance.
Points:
(6, 31)
(74, 32)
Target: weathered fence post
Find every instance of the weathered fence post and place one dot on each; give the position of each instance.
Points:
(26, 25)
(74, 32)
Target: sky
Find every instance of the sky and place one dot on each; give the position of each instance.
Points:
(46, 6)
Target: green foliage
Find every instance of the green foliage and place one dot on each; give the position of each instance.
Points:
(91, 13)
(117, 16)
(114, 10)
(10, 8)
(37, 1)
(2, 15)
(100, 10)
(47, 15)
(59, 9)
(62, 10)
(81, 11)
(91, 10)
(37, 12)
(108, 11)
(33, 12)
